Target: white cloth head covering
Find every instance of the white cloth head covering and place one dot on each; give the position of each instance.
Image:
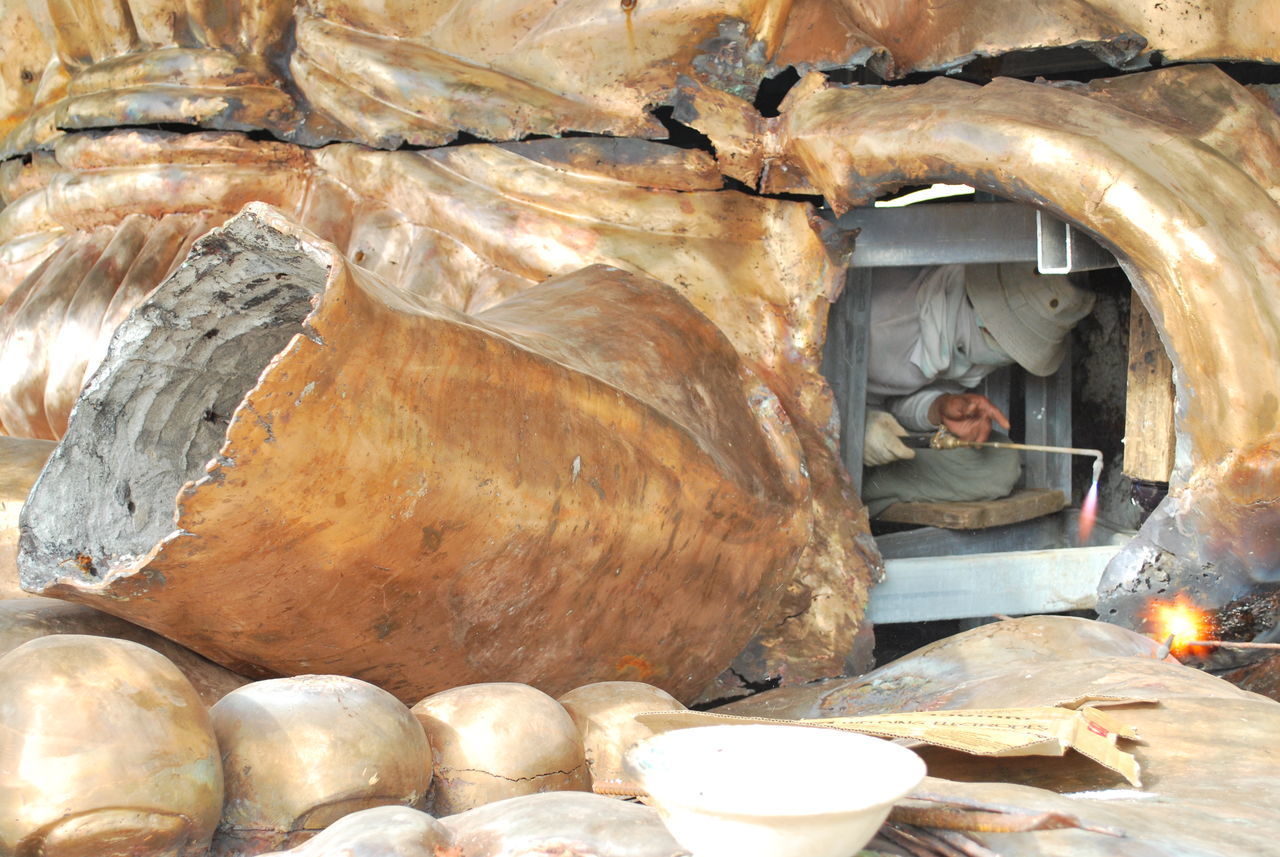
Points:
(952, 346)
(1029, 314)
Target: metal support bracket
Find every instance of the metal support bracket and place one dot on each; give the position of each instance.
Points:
(844, 363)
(971, 233)
(924, 589)
(1048, 422)
(1061, 248)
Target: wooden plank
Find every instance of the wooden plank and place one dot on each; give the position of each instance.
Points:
(1148, 418)
(924, 589)
(1022, 506)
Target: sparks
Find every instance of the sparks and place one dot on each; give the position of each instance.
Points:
(1088, 514)
(1182, 620)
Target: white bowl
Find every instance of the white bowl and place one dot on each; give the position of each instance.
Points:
(773, 791)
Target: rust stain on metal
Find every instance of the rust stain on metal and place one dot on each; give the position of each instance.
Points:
(635, 668)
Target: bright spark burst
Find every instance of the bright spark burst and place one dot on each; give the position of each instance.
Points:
(1182, 619)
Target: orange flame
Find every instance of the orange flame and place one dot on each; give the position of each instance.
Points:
(1181, 619)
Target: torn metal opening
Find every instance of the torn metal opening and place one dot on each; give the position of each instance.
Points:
(159, 405)
(1030, 563)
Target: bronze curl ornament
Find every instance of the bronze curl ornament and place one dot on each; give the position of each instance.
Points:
(300, 753)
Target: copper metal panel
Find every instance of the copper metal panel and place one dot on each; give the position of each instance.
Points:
(420, 72)
(86, 237)
(381, 74)
(84, 64)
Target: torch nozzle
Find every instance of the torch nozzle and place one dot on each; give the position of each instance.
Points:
(943, 439)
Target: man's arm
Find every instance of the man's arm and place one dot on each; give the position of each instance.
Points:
(912, 410)
(968, 416)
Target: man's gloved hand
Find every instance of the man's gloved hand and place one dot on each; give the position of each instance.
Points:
(968, 416)
(881, 443)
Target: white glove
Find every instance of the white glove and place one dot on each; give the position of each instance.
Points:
(881, 444)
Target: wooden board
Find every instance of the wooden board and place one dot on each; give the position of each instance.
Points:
(1022, 506)
(1148, 421)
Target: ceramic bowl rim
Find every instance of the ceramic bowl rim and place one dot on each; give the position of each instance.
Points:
(904, 773)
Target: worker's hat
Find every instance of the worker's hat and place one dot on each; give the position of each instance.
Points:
(1028, 314)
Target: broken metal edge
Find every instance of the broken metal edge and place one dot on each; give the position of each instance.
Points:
(51, 564)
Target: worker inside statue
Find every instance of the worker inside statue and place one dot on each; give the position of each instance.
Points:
(936, 332)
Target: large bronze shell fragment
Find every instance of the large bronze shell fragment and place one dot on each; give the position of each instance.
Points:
(468, 226)
(422, 72)
(581, 483)
(91, 228)
(501, 218)
(105, 750)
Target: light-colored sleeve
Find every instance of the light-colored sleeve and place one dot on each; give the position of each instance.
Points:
(912, 411)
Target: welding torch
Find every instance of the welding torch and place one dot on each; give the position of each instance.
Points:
(943, 439)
